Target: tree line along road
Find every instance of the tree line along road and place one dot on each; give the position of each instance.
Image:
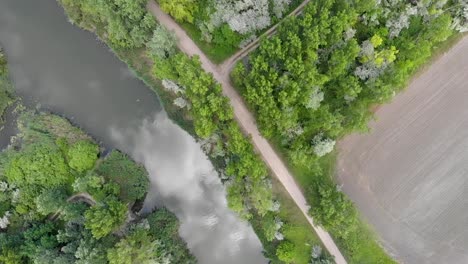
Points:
(246, 119)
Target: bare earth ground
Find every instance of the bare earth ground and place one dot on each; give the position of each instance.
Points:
(247, 123)
(409, 176)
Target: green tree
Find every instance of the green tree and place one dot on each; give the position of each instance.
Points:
(40, 163)
(102, 219)
(165, 227)
(9, 256)
(225, 37)
(181, 10)
(138, 247)
(127, 22)
(73, 212)
(51, 200)
(163, 43)
(79, 242)
(82, 155)
(285, 251)
(90, 183)
(269, 227)
(334, 211)
(130, 176)
(39, 239)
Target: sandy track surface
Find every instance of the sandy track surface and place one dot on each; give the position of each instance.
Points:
(247, 122)
(409, 176)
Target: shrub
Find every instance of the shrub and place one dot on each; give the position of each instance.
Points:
(285, 251)
(131, 177)
(82, 155)
(102, 219)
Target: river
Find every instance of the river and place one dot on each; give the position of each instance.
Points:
(58, 67)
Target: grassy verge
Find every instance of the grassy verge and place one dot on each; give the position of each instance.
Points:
(362, 245)
(440, 50)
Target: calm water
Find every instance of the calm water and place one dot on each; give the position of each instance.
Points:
(58, 67)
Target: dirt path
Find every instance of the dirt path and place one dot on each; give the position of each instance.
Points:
(247, 122)
(409, 176)
(82, 197)
(79, 197)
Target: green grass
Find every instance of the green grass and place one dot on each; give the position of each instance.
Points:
(297, 229)
(215, 53)
(362, 247)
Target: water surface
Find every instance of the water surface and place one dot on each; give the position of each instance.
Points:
(61, 68)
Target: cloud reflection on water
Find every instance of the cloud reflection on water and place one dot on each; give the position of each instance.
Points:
(184, 180)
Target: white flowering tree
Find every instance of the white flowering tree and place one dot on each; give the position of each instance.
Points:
(4, 220)
(180, 102)
(242, 16)
(279, 6)
(321, 145)
(172, 86)
(374, 61)
(315, 98)
(460, 14)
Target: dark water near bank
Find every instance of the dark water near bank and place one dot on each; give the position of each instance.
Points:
(58, 67)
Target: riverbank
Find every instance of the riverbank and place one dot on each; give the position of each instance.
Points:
(43, 220)
(90, 204)
(301, 243)
(6, 91)
(296, 227)
(79, 77)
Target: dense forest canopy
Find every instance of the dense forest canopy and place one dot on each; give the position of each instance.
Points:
(62, 203)
(316, 78)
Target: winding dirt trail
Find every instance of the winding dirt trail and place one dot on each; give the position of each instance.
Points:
(246, 120)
